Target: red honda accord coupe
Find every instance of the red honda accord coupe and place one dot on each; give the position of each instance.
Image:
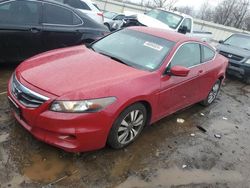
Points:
(81, 98)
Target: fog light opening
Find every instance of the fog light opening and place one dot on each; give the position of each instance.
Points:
(67, 137)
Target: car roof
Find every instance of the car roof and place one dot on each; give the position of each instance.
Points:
(163, 33)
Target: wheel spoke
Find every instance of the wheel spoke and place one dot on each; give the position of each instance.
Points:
(139, 123)
(131, 134)
(132, 115)
(122, 129)
(138, 119)
(136, 114)
(134, 132)
(124, 123)
(123, 137)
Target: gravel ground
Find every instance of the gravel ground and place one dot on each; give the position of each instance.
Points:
(167, 154)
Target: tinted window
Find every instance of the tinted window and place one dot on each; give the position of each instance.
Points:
(119, 17)
(135, 48)
(188, 23)
(77, 4)
(59, 15)
(208, 54)
(20, 13)
(240, 41)
(188, 55)
(96, 7)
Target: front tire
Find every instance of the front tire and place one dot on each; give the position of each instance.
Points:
(212, 94)
(127, 126)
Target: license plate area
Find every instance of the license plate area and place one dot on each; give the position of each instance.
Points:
(14, 107)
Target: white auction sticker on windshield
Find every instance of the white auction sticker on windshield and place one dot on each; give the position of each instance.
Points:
(153, 46)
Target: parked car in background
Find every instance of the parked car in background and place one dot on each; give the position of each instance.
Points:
(87, 7)
(169, 20)
(237, 49)
(32, 27)
(111, 18)
(114, 88)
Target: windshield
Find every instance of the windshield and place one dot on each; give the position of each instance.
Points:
(134, 48)
(171, 19)
(240, 41)
(109, 15)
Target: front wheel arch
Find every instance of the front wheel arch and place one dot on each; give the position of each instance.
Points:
(113, 137)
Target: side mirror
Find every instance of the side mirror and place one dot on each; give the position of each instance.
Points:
(179, 71)
(183, 29)
(221, 41)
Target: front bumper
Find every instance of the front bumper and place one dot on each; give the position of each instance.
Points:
(238, 69)
(72, 132)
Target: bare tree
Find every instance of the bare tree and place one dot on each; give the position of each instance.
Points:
(206, 12)
(169, 4)
(160, 3)
(231, 12)
(187, 10)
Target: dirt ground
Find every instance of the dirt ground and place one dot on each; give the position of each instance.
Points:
(167, 154)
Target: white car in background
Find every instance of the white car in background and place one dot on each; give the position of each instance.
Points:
(111, 18)
(86, 6)
(170, 20)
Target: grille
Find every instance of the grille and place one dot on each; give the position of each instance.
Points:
(26, 96)
(231, 56)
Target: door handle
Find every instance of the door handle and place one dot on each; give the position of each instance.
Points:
(35, 30)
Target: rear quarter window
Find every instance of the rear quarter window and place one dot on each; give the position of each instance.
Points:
(208, 54)
(58, 15)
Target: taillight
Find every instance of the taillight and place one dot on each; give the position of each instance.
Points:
(101, 14)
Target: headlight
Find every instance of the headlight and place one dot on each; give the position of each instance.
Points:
(248, 61)
(94, 105)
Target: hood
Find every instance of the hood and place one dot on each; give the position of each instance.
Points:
(60, 72)
(234, 50)
(148, 21)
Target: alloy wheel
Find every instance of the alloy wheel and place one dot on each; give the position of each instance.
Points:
(130, 126)
(213, 93)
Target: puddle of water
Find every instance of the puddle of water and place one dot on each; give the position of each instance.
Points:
(175, 177)
(48, 169)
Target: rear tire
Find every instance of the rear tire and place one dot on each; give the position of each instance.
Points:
(127, 126)
(212, 94)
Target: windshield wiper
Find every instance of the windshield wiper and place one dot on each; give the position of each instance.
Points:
(115, 58)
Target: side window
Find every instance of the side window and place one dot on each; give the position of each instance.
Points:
(208, 54)
(77, 4)
(59, 16)
(20, 13)
(188, 23)
(188, 55)
(119, 17)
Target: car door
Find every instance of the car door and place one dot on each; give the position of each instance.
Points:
(179, 92)
(187, 22)
(20, 30)
(207, 78)
(60, 27)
